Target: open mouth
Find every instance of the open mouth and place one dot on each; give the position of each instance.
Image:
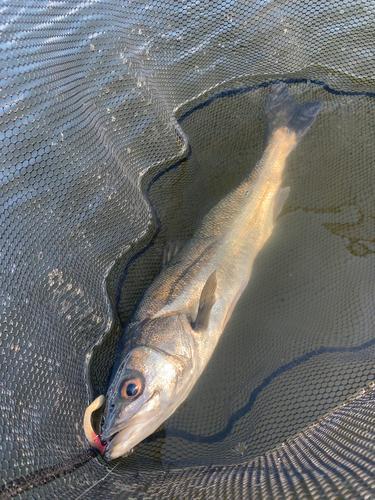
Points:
(119, 439)
(96, 440)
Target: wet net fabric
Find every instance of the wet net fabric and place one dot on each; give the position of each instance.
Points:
(121, 124)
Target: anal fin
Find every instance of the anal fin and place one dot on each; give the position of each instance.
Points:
(206, 303)
(280, 199)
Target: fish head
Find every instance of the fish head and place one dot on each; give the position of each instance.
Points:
(147, 388)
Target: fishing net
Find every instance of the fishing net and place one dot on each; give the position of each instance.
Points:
(121, 124)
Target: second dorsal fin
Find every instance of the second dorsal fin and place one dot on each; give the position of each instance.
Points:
(172, 249)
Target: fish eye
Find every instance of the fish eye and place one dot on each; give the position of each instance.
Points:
(131, 388)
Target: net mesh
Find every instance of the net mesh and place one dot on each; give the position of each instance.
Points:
(121, 123)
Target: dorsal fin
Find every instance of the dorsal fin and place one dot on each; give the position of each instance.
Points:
(172, 249)
(206, 303)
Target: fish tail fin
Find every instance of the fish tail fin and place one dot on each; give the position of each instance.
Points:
(282, 111)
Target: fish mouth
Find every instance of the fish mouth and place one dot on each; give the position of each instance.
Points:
(122, 442)
(101, 442)
(121, 439)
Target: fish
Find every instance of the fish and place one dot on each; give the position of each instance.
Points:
(171, 335)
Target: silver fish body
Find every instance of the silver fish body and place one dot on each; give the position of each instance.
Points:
(171, 336)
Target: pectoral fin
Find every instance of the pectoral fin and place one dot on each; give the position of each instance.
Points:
(280, 199)
(206, 303)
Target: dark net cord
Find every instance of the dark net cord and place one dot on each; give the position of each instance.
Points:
(44, 476)
(321, 462)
